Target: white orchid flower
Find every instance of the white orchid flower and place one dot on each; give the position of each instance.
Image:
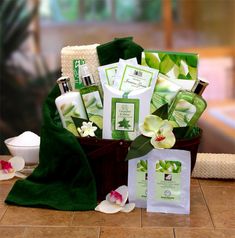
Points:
(116, 202)
(159, 130)
(9, 169)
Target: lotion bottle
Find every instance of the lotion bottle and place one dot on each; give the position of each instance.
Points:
(69, 104)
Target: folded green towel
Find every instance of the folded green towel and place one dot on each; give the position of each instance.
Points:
(63, 179)
(119, 48)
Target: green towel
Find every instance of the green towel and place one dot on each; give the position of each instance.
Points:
(119, 48)
(63, 179)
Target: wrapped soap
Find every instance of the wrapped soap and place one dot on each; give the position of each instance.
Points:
(73, 56)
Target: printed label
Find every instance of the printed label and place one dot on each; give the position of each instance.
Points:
(93, 103)
(141, 179)
(164, 92)
(110, 75)
(125, 117)
(135, 78)
(68, 111)
(168, 177)
(183, 113)
(76, 73)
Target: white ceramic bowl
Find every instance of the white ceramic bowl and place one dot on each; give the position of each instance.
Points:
(29, 153)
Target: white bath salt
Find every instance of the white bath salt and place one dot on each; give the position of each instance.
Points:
(27, 138)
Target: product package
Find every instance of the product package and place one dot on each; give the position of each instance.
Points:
(138, 181)
(178, 66)
(130, 77)
(108, 72)
(164, 92)
(124, 112)
(169, 181)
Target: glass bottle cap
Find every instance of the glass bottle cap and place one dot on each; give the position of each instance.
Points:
(64, 84)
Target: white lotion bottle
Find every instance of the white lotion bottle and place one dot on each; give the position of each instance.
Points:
(69, 104)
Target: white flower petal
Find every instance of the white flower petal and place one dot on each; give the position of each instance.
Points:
(167, 143)
(166, 127)
(20, 175)
(128, 207)
(151, 125)
(144, 132)
(107, 207)
(6, 176)
(17, 163)
(152, 122)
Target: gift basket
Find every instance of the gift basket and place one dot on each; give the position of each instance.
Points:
(114, 102)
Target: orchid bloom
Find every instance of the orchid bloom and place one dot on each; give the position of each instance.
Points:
(9, 169)
(87, 129)
(116, 202)
(159, 130)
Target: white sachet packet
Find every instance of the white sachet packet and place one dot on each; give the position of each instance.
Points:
(108, 72)
(131, 77)
(137, 181)
(169, 181)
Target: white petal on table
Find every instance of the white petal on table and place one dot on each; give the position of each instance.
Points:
(107, 207)
(128, 207)
(6, 176)
(17, 163)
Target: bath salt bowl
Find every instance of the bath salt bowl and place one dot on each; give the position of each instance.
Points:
(107, 160)
(29, 153)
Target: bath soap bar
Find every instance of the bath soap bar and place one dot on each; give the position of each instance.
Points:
(73, 56)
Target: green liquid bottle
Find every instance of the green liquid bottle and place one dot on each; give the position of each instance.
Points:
(91, 97)
(186, 108)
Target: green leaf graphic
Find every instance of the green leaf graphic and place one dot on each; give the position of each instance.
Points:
(151, 60)
(67, 108)
(176, 59)
(193, 72)
(124, 123)
(192, 60)
(166, 64)
(161, 55)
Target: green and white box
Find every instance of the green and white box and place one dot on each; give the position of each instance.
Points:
(179, 66)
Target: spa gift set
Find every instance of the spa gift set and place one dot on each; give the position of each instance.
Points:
(125, 115)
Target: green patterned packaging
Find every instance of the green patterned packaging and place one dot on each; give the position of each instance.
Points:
(176, 65)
